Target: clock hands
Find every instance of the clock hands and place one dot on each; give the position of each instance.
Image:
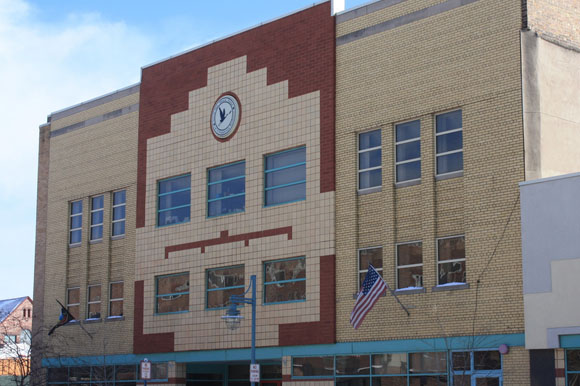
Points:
(223, 114)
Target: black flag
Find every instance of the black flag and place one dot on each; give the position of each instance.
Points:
(64, 318)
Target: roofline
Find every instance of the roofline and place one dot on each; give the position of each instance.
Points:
(234, 34)
(553, 178)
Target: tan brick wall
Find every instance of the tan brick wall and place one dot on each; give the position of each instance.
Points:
(468, 59)
(556, 19)
(271, 122)
(87, 162)
(516, 367)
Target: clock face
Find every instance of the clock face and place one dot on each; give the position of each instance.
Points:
(225, 116)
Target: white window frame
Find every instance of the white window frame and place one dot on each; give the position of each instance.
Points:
(113, 221)
(101, 224)
(94, 301)
(112, 300)
(408, 265)
(397, 163)
(71, 229)
(437, 155)
(448, 261)
(359, 270)
(68, 304)
(359, 170)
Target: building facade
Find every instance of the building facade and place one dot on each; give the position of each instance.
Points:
(15, 335)
(300, 151)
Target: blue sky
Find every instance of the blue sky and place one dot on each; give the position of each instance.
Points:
(55, 54)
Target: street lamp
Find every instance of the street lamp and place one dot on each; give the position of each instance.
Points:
(233, 317)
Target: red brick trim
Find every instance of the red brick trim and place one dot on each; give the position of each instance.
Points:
(560, 373)
(235, 130)
(150, 343)
(324, 331)
(225, 238)
(299, 48)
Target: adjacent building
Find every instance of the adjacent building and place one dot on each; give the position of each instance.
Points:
(15, 335)
(300, 151)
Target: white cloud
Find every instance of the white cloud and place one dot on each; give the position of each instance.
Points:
(45, 67)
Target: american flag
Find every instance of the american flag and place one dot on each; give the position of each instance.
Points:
(372, 287)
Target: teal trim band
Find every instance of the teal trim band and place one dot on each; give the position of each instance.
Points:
(226, 180)
(174, 207)
(285, 167)
(569, 341)
(226, 197)
(225, 288)
(285, 185)
(265, 353)
(174, 191)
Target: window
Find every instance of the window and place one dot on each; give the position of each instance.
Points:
(174, 198)
(73, 301)
(408, 148)
(94, 302)
(97, 210)
(573, 367)
(285, 177)
(449, 139)
(369, 160)
(172, 293)
(10, 339)
(410, 265)
(483, 367)
(312, 366)
(222, 283)
(451, 260)
(226, 189)
(285, 280)
(118, 223)
(76, 222)
(368, 256)
(116, 300)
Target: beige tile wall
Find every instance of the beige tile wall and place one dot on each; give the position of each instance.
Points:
(270, 122)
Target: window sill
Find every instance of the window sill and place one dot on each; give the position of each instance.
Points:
(118, 237)
(447, 176)
(72, 323)
(74, 245)
(450, 287)
(93, 320)
(284, 302)
(370, 190)
(404, 184)
(96, 241)
(410, 291)
(171, 313)
(115, 319)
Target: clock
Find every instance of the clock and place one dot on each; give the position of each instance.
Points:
(225, 116)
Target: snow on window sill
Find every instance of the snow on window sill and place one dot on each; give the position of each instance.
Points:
(450, 287)
(410, 291)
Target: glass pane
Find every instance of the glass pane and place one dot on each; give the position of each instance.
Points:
(285, 292)
(75, 236)
(116, 308)
(450, 163)
(158, 371)
(119, 197)
(462, 380)
(284, 270)
(76, 207)
(373, 256)
(80, 374)
(227, 206)
(450, 142)
(76, 222)
(488, 381)
(204, 377)
(119, 212)
(451, 248)
(125, 373)
(411, 277)
(239, 371)
(97, 232)
(174, 199)
(286, 158)
(58, 374)
(94, 311)
(363, 381)
(286, 194)
(221, 299)
(487, 360)
(573, 360)
(225, 189)
(116, 290)
(437, 380)
(119, 228)
(370, 179)
(313, 366)
(103, 373)
(369, 159)
(428, 362)
(449, 121)
(74, 296)
(390, 364)
(409, 171)
(362, 276)
(411, 253)
(173, 216)
(173, 284)
(74, 311)
(174, 184)
(573, 379)
(408, 130)
(390, 381)
(226, 172)
(286, 176)
(353, 365)
(452, 272)
(97, 202)
(461, 361)
(172, 303)
(225, 277)
(271, 371)
(369, 139)
(94, 293)
(409, 150)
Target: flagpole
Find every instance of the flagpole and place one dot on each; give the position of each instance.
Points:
(396, 297)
